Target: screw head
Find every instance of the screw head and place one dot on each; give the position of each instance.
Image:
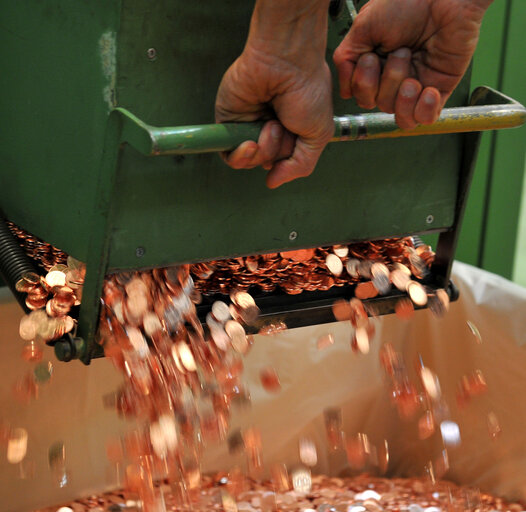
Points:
(151, 53)
(293, 235)
(140, 252)
(430, 219)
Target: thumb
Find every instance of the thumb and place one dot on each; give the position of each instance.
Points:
(299, 165)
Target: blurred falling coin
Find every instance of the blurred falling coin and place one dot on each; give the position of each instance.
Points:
(426, 425)
(365, 290)
(301, 480)
(27, 328)
(308, 453)
(404, 309)
(380, 278)
(362, 340)
(238, 336)
(400, 279)
(430, 383)
(341, 309)
(417, 293)
(340, 250)
(270, 380)
(494, 427)
(43, 372)
(17, 445)
(31, 352)
(334, 264)
(383, 457)
(299, 256)
(474, 331)
(55, 278)
(280, 477)
(325, 341)
(186, 357)
(221, 311)
(351, 266)
(450, 433)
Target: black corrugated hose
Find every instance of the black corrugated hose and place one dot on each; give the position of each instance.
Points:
(13, 262)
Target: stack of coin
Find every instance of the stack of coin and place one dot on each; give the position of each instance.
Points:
(301, 492)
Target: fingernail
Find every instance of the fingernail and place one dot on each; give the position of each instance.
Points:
(408, 90)
(402, 53)
(429, 98)
(368, 61)
(249, 152)
(276, 131)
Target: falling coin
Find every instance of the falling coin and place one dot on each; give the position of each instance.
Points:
(186, 356)
(308, 453)
(494, 428)
(325, 341)
(417, 293)
(430, 383)
(270, 380)
(334, 264)
(341, 309)
(17, 445)
(301, 480)
(450, 433)
(474, 331)
(43, 372)
(404, 309)
(340, 250)
(221, 311)
(280, 477)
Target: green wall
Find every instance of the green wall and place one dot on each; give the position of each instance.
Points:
(489, 233)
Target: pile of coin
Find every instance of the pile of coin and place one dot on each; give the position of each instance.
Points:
(320, 269)
(44, 254)
(311, 494)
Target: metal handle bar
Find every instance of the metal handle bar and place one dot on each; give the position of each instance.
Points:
(489, 110)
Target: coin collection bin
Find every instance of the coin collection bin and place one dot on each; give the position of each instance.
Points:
(86, 168)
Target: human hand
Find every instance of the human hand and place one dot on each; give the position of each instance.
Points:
(407, 56)
(281, 77)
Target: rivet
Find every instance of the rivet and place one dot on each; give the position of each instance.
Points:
(151, 53)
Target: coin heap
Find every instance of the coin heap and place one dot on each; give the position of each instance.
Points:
(321, 494)
(42, 253)
(319, 269)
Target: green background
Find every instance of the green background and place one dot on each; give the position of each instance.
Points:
(493, 235)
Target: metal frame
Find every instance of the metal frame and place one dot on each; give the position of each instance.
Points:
(488, 110)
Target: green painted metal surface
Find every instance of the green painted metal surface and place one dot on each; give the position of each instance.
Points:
(194, 207)
(58, 71)
(88, 56)
(67, 179)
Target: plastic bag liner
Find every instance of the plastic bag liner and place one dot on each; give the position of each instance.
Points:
(70, 408)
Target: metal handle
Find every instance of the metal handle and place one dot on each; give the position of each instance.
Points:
(488, 110)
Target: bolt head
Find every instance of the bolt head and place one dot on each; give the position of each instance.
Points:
(140, 252)
(430, 219)
(293, 235)
(151, 53)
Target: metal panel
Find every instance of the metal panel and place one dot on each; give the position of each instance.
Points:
(58, 73)
(194, 207)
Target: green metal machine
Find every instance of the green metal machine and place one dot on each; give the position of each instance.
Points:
(105, 154)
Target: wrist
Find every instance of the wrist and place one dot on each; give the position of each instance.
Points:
(291, 30)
